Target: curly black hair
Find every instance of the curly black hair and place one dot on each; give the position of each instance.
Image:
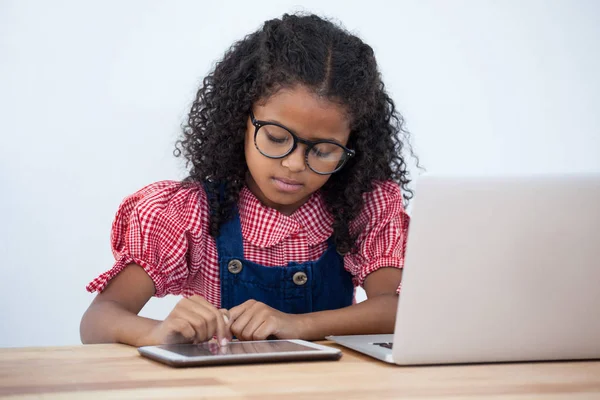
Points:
(335, 65)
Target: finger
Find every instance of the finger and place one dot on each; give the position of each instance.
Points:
(211, 317)
(216, 323)
(236, 311)
(219, 326)
(239, 324)
(197, 322)
(258, 318)
(182, 328)
(266, 329)
(225, 314)
(209, 313)
(223, 331)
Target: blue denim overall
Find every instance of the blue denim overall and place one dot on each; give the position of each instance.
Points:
(296, 288)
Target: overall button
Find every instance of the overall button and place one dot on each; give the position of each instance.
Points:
(235, 266)
(300, 278)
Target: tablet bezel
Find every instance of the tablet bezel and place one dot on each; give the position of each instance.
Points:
(316, 352)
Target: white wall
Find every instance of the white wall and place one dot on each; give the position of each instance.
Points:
(92, 95)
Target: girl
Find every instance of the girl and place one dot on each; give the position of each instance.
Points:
(293, 199)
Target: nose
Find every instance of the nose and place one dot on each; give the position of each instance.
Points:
(295, 161)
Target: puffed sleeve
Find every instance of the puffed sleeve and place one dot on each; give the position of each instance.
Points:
(152, 228)
(382, 228)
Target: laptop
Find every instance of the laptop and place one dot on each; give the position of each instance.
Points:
(497, 269)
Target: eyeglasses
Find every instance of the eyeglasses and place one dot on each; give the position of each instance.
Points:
(273, 140)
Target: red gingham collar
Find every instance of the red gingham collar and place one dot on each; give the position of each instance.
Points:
(265, 227)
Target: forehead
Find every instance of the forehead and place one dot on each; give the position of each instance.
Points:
(306, 113)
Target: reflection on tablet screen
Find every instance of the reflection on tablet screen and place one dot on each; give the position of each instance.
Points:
(212, 349)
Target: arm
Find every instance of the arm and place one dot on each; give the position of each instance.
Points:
(383, 237)
(254, 321)
(112, 316)
(375, 315)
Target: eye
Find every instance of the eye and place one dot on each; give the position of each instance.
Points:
(276, 137)
(320, 153)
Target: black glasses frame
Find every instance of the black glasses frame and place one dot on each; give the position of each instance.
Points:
(309, 145)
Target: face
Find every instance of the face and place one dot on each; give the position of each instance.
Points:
(286, 183)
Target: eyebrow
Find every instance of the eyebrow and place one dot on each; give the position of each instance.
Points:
(314, 139)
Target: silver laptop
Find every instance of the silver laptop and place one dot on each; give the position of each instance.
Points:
(497, 269)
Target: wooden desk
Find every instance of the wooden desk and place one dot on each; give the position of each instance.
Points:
(118, 372)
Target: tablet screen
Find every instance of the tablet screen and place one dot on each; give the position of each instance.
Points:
(236, 348)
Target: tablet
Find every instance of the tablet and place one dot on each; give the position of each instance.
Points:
(236, 352)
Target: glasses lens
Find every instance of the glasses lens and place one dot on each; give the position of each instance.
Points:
(326, 157)
(274, 141)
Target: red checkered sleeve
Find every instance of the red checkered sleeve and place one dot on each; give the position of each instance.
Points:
(151, 229)
(382, 228)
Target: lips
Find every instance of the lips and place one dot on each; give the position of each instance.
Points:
(287, 185)
(288, 181)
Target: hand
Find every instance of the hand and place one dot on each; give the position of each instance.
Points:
(193, 320)
(254, 320)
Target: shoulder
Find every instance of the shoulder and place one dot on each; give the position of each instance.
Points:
(384, 194)
(386, 197)
(156, 227)
(381, 205)
(175, 202)
(380, 227)
(163, 192)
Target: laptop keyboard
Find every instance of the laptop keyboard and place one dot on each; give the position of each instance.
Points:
(387, 345)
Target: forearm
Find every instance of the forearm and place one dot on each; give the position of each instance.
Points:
(108, 322)
(372, 316)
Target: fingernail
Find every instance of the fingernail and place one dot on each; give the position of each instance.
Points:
(226, 318)
(224, 342)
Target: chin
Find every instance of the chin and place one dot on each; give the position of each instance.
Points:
(286, 199)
